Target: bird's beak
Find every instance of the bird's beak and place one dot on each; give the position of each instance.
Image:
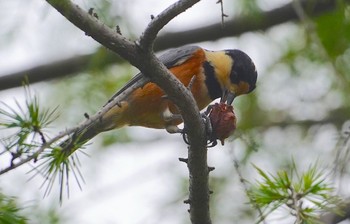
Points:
(227, 97)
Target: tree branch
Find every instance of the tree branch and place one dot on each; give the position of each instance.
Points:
(92, 26)
(142, 56)
(148, 37)
(56, 69)
(86, 123)
(233, 27)
(239, 25)
(197, 152)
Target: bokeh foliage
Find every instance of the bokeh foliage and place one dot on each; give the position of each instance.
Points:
(302, 99)
(302, 93)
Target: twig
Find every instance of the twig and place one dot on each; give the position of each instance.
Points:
(223, 15)
(85, 124)
(296, 206)
(157, 23)
(246, 188)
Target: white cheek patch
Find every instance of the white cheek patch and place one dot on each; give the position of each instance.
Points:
(222, 64)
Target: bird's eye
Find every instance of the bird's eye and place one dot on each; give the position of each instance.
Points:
(234, 77)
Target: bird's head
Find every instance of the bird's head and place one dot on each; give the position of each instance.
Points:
(241, 78)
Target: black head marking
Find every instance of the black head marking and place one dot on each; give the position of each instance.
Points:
(243, 69)
(211, 82)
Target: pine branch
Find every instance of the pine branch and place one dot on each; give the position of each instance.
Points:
(305, 195)
(68, 132)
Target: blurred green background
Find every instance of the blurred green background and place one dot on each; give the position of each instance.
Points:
(132, 175)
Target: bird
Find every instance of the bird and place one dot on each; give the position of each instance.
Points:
(223, 74)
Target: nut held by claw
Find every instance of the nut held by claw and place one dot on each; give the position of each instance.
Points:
(223, 121)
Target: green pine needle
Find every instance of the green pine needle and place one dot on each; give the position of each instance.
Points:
(27, 125)
(10, 212)
(57, 165)
(304, 195)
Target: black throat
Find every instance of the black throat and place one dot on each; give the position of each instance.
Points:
(211, 82)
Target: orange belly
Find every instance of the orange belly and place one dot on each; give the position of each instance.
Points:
(146, 105)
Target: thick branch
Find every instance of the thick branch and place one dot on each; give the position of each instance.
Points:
(56, 69)
(96, 29)
(144, 58)
(240, 25)
(135, 54)
(197, 152)
(232, 27)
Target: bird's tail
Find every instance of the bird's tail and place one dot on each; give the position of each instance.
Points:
(111, 120)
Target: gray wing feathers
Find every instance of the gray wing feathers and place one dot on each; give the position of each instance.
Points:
(177, 56)
(137, 78)
(170, 58)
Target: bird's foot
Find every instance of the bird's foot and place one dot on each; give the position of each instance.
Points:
(211, 139)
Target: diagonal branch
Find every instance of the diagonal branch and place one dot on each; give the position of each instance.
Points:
(233, 27)
(49, 144)
(92, 26)
(142, 56)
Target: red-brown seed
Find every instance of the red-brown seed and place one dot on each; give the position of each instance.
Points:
(223, 121)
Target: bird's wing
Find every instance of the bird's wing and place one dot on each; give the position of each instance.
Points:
(177, 56)
(170, 58)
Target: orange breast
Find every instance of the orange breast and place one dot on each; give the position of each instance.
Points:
(146, 105)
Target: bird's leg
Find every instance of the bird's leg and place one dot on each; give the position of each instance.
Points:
(168, 116)
(211, 138)
(173, 129)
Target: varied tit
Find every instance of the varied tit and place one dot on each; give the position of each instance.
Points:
(222, 74)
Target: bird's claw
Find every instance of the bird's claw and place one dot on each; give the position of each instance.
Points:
(210, 136)
(211, 139)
